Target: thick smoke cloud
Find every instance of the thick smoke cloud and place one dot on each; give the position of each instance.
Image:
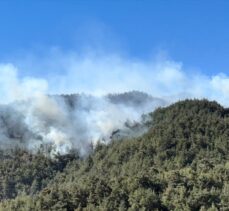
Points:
(31, 115)
(73, 121)
(102, 73)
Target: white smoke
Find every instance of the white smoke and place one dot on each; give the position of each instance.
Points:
(99, 74)
(56, 122)
(12, 88)
(30, 117)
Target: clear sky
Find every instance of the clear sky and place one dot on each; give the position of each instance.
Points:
(195, 32)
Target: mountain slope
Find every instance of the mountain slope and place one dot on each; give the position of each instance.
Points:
(72, 121)
(181, 163)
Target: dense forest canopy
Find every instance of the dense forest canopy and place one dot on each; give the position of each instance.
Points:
(181, 163)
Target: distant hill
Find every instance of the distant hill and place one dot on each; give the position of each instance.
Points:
(132, 99)
(181, 163)
(135, 98)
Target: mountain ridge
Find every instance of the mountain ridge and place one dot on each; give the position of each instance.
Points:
(181, 163)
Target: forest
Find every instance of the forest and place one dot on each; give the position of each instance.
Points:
(180, 163)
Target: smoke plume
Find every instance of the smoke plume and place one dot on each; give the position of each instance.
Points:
(33, 113)
(72, 121)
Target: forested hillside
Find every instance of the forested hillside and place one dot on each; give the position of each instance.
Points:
(181, 163)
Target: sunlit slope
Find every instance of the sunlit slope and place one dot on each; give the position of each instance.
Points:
(180, 164)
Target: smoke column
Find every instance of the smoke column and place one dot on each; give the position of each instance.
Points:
(33, 113)
(72, 121)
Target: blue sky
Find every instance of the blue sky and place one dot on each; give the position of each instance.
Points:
(171, 49)
(194, 32)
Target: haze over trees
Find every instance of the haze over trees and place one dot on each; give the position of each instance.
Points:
(181, 163)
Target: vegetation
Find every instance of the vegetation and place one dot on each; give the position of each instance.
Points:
(182, 163)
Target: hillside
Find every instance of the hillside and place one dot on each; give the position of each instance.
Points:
(73, 121)
(181, 163)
